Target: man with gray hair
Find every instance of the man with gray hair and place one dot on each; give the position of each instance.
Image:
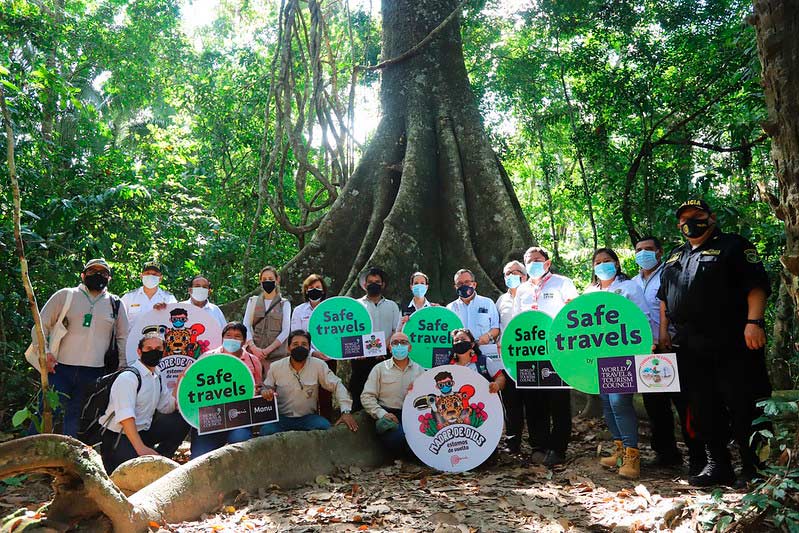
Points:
(516, 401)
(478, 313)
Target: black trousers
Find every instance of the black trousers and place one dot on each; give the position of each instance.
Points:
(661, 421)
(358, 377)
(723, 387)
(547, 412)
(165, 435)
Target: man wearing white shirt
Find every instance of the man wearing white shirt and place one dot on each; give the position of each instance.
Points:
(199, 290)
(385, 390)
(149, 296)
(132, 426)
(478, 313)
(648, 256)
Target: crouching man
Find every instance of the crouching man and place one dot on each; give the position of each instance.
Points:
(133, 426)
(295, 382)
(385, 391)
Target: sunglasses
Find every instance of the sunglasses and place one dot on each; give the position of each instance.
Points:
(443, 384)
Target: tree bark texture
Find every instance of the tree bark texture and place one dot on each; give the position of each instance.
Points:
(429, 193)
(84, 492)
(777, 26)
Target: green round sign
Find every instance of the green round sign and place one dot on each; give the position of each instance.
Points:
(338, 322)
(525, 353)
(430, 332)
(597, 325)
(213, 380)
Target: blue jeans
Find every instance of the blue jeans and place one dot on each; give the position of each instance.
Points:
(202, 444)
(621, 418)
(295, 423)
(70, 382)
(394, 441)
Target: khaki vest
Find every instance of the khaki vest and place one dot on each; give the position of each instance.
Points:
(266, 328)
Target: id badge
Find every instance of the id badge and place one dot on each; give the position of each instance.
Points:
(87, 320)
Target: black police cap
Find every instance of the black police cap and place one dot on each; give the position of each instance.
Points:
(696, 203)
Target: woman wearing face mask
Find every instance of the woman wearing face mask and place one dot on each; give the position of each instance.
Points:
(314, 289)
(618, 409)
(466, 352)
(268, 319)
(233, 336)
(419, 285)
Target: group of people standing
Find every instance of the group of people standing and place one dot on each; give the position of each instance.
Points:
(705, 300)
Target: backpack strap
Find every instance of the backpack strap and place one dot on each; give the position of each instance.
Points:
(136, 372)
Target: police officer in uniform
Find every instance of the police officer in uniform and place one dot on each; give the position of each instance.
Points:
(713, 291)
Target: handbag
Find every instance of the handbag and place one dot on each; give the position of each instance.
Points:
(111, 359)
(57, 333)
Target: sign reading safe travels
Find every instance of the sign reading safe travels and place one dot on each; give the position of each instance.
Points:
(451, 420)
(187, 330)
(341, 328)
(596, 342)
(211, 381)
(430, 332)
(525, 354)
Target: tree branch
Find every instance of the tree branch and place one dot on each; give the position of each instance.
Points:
(415, 49)
(714, 147)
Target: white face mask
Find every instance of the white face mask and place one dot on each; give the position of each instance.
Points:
(199, 294)
(150, 281)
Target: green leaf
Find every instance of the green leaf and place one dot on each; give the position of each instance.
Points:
(20, 416)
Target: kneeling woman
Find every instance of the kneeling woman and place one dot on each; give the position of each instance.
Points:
(466, 352)
(233, 336)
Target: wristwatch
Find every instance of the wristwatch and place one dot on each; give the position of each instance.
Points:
(757, 322)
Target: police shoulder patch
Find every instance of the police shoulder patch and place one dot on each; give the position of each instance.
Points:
(674, 257)
(711, 252)
(752, 256)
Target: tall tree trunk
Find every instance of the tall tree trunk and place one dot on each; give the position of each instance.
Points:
(47, 413)
(783, 342)
(429, 193)
(777, 25)
(546, 168)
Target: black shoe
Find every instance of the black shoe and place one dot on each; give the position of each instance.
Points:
(538, 457)
(717, 471)
(670, 460)
(747, 476)
(695, 464)
(553, 458)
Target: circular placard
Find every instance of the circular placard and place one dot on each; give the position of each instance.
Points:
(336, 321)
(212, 380)
(430, 332)
(594, 326)
(525, 354)
(187, 330)
(451, 420)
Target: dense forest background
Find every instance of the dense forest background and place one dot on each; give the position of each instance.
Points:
(218, 148)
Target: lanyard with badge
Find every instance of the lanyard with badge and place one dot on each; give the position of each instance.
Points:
(309, 392)
(87, 318)
(538, 289)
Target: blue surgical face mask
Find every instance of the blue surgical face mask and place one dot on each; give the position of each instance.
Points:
(400, 351)
(646, 259)
(446, 390)
(419, 290)
(231, 345)
(513, 281)
(605, 271)
(178, 323)
(535, 269)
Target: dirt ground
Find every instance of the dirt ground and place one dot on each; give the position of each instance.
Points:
(511, 495)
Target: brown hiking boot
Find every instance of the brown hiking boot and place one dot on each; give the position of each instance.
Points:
(612, 460)
(631, 467)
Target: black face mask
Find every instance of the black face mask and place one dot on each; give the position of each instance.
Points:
(315, 295)
(373, 289)
(268, 286)
(95, 282)
(152, 357)
(695, 227)
(465, 291)
(461, 347)
(300, 353)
